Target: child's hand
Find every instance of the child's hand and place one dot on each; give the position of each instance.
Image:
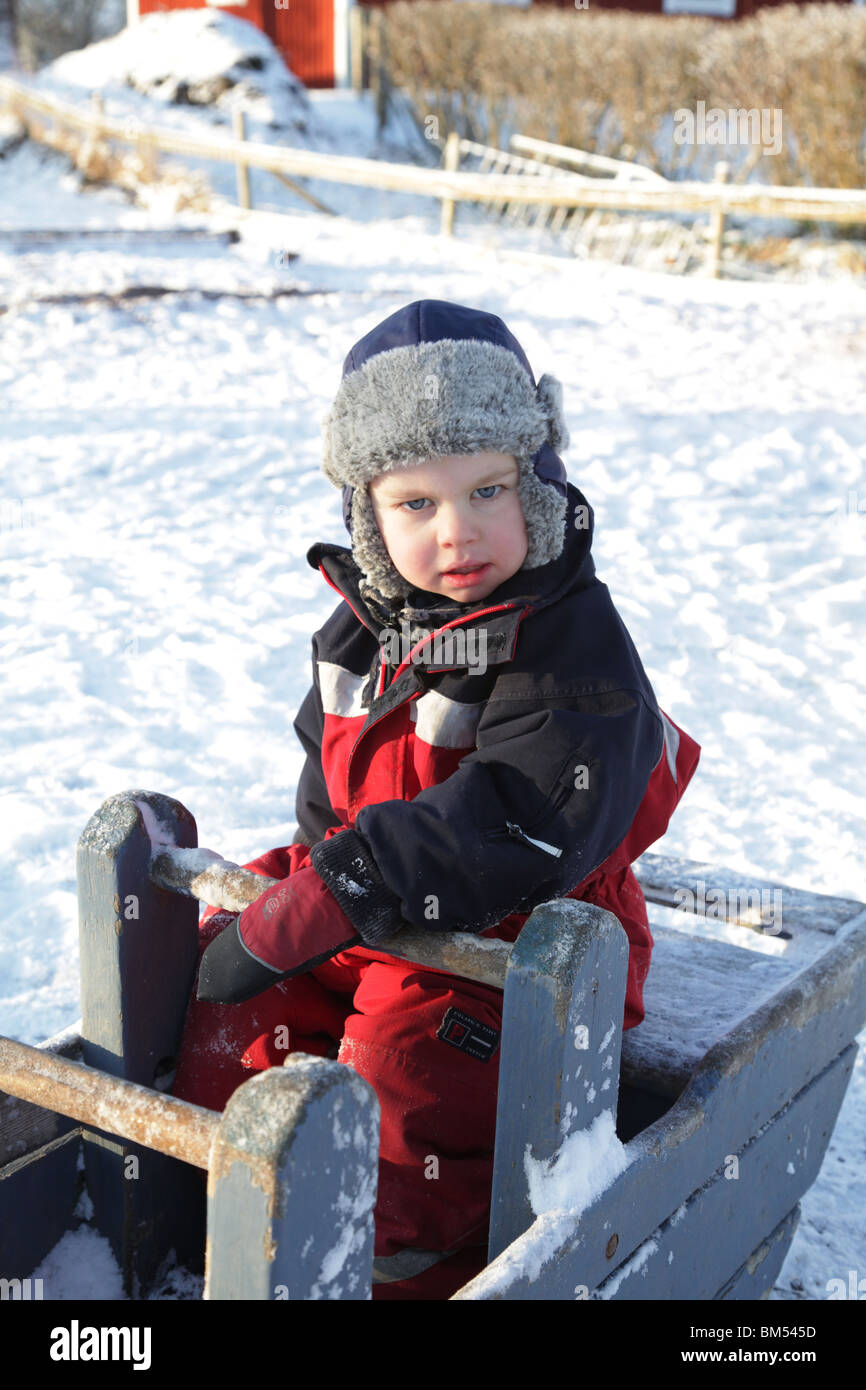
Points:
(294, 926)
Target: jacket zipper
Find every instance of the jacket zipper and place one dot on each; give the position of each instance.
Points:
(516, 833)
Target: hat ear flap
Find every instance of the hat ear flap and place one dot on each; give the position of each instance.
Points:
(549, 394)
(328, 468)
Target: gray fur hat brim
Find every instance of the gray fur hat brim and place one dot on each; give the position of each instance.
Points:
(416, 403)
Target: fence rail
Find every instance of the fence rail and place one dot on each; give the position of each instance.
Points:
(613, 185)
(164, 1123)
(204, 875)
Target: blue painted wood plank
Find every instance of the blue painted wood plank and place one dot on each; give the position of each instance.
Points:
(724, 894)
(25, 1127)
(757, 1276)
(139, 948)
(38, 1194)
(560, 1050)
(292, 1186)
(710, 1232)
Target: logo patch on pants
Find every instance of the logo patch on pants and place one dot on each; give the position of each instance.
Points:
(469, 1035)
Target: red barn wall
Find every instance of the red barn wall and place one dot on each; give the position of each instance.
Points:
(304, 33)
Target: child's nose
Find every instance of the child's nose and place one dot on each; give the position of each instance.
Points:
(457, 525)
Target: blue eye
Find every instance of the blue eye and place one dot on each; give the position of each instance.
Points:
(487, 492)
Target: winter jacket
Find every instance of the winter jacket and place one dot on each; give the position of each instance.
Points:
(463, 797)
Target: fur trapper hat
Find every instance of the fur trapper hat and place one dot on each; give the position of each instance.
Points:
(436, 379)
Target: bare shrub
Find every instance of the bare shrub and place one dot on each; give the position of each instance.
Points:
(809, 62)
(47, 28)
(611, 81)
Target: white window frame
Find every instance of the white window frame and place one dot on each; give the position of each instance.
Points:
(722, 9)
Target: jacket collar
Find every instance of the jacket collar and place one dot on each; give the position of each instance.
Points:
(537, 588)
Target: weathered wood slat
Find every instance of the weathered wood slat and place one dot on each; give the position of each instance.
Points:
(758, 1274)
(561, 1034)
(567, 1252)
(740, 1085)
(752, 1190)
(730, 895)
(139, 949)
(293, 1184)
(696, 991)
(139, 945)
(600, 164)
(38, 1195)
(157, 1121)
(205, 875)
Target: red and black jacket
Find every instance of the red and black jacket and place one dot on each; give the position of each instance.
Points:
(463, 798)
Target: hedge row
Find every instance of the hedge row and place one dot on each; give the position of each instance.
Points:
(613, 81)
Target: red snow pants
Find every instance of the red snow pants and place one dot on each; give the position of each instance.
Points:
(381, 1016)
(387, 1020)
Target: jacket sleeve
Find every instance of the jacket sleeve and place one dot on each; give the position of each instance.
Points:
(545, 797)
(313, 810)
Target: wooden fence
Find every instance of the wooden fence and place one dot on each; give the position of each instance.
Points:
(558, 188)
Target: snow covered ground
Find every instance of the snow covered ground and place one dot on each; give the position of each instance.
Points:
(203, 58)
(161, 484)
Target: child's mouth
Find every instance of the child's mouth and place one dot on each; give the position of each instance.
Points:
(462, 577)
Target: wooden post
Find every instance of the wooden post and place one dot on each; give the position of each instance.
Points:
(374, 32)
(139, 950)
(240, 133)
(382, 85)
(450, 162)
(717, 223)
(561, 1039)
(292, 1186)
(357, 44)
(87, 155)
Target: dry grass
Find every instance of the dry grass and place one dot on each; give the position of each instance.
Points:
(611, 81)
(101, 161)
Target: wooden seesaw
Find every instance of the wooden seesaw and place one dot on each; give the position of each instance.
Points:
(724, 1098)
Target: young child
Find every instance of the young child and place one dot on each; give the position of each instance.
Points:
(481, 737)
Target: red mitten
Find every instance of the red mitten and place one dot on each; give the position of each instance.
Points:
(294, 926)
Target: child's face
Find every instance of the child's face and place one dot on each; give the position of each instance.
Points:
(455, 512)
